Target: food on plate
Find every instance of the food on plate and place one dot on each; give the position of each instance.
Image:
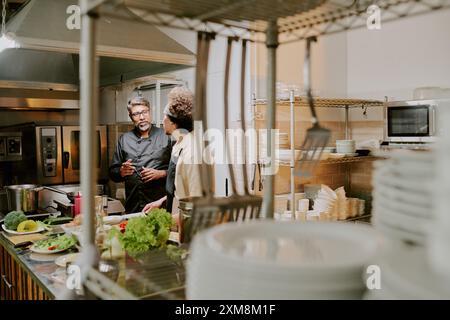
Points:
(144, 233)
(58, 243)
(13, 219)
(27, 226)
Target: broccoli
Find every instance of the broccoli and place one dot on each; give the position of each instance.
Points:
(13, 219)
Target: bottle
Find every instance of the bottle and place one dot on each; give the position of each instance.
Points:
(77, 207)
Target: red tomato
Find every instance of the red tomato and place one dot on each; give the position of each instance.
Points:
(123, 226)
(52, 248)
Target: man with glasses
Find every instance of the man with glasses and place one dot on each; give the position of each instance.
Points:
(141, 158)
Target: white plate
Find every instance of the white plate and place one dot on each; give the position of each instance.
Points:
(420, 199)
(43, 257)
(34, 249)
(396, 233)
(408, 274)
(39, 229)
(111, 220)
(405, 170)
(402, 206)
(414, 224)
(67, 258)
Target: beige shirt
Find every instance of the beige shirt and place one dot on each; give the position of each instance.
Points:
(187, 174)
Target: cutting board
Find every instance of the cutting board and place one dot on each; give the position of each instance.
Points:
(18, 240)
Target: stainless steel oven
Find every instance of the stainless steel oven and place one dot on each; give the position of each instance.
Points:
(411, 122)
(50, 154)
(71, 153)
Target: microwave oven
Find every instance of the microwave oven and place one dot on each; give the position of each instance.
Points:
(411, 122)
(50, 154)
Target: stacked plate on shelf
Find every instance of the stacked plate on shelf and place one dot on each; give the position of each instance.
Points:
(270, 260)
(406, 275)
(402, 196)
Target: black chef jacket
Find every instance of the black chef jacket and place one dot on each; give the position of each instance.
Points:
(152, 152)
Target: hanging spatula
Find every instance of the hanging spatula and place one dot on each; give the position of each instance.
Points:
(316, 137)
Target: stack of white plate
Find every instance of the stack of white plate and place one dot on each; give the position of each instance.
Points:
(405, 274)
(270, 260)
(402, 196)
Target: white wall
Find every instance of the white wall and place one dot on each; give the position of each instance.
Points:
(404, 54)
(329, 70)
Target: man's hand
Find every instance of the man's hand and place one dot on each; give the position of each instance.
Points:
(149, 174)
(126, 169)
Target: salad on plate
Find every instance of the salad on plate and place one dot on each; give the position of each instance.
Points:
(54, 244)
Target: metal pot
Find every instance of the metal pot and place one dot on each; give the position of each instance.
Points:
(22, 197)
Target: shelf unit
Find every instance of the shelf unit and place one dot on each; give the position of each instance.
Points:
(302, 102)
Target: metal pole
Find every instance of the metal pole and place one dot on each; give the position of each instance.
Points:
(346, 123)
(158, 119)
(292, 127)
(88, 115)
(271, 44)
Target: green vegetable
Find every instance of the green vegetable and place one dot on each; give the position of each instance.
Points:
(57, 220)
(61, 242)
(13, 219)
(175, 253)
(145, 233)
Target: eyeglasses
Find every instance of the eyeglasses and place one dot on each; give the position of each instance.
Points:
(138, 114)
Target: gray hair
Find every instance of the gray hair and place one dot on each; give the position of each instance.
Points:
(138, 101)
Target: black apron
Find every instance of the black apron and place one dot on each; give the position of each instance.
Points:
(170, 181)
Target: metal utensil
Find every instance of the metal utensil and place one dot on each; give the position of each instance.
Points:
(208, 211)
(316, 137)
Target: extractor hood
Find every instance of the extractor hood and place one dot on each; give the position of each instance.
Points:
(43, 72)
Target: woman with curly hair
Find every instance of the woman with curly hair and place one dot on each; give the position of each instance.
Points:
(178, 123)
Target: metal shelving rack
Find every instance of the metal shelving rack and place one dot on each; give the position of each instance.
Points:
(342, 103)
(296, 20)
(269, 21)
(302, 102)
